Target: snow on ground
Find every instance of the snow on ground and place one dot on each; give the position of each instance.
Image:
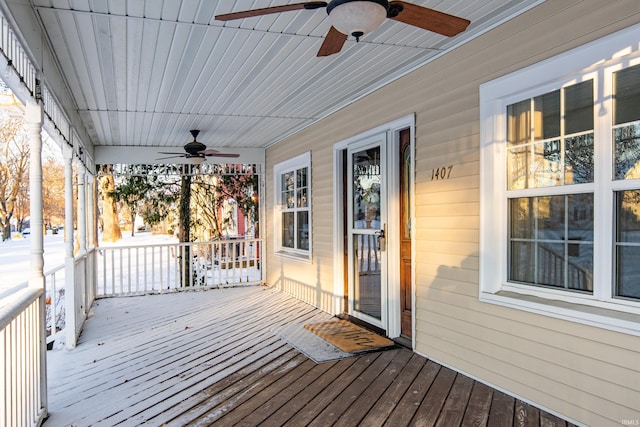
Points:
(15, 256)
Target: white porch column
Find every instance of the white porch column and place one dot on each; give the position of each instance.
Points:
(82, 208)
(33, 119)
(69, 288)
(91, 240)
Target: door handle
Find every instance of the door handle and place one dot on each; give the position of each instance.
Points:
(382, 240)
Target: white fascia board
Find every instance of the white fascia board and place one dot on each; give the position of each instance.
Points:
(150, 155)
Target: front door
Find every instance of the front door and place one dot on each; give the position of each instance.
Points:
(406, 300)
(366, 223)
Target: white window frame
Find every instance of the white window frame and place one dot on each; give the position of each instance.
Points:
(598, 61)
(299, 162)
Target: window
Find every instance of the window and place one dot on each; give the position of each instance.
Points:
(293, 206)
(560, 191)
(550, 144)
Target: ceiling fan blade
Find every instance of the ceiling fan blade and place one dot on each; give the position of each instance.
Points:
(218, 154)
(332, 43)
(170, 157)
(215, 153)
(429, 19)
(175, 154)
(310, 5)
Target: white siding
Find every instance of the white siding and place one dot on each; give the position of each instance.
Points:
(584, 373)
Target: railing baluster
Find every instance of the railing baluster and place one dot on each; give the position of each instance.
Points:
(169, 253)
(144, 269)
(160, 269)
(113, 272)
(137, 270)
(129, 270)
(121, 272)
(153, 270)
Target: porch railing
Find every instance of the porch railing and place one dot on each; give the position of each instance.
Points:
(22, 363)
(131, 270)
(54, 300)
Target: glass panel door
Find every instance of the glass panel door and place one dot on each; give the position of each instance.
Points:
(367, 213)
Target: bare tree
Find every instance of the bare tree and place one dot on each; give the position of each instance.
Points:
(110, 226)
(14, 168)
(53, 193)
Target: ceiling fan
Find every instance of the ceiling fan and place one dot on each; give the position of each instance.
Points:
(359, 17)
(197, 151)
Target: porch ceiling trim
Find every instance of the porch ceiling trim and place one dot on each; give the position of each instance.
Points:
(150, 155)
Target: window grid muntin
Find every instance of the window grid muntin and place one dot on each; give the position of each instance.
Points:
(292, 203)
(630, 174)
(588, 61)
(535, 141)
(539, 242)
(292, 189)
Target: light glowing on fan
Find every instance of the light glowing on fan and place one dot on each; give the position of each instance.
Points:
(358, 17)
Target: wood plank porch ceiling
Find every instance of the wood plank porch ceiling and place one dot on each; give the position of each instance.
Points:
(213, 358)
(143, 73)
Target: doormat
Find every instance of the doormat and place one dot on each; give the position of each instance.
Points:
(348, 337)
(311, 345)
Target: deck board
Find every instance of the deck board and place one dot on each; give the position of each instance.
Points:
(215, 358)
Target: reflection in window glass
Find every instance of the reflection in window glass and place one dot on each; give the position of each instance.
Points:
(626, 99)
(578, 159)
(287, 190)
(406, 186)
(518, 161)
(547, 164)
(550, 139)
(519, 123)
(367, 180)
(627, 254)
(303, 230)
(626, 133)
(551, 241)
(627, 152)
(578, 112)
(288, 230)
(547, 115)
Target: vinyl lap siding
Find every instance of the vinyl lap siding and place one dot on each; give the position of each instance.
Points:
(569, 368)
(312, 281)
(583, 373)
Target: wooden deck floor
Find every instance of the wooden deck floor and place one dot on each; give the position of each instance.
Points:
(213, 358)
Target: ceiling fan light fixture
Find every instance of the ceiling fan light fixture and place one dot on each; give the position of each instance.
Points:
(357, 17)
(196, 160)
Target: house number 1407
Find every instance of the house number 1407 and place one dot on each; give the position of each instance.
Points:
(441, 173)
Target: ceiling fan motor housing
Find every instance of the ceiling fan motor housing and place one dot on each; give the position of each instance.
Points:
(194, 147)
(357, 17)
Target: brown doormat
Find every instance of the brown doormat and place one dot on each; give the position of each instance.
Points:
(349, 337)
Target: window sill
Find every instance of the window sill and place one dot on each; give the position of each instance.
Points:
(294, 256)
(613, 320)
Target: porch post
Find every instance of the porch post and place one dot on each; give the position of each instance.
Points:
(90, 240)
(33, 119)
(82, 237)
(70, 289)
(82, 209)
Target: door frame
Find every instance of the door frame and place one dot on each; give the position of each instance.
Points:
(392, 129)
